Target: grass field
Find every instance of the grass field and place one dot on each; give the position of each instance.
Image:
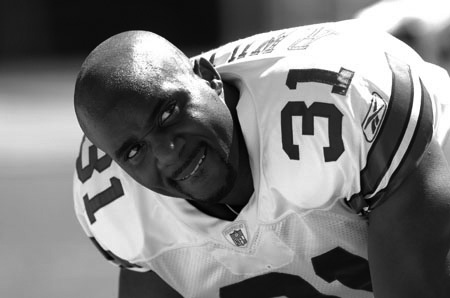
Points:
(43, 251)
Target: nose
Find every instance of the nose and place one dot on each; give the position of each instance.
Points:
(166, 148)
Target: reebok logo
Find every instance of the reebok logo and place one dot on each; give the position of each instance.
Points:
(374, 117)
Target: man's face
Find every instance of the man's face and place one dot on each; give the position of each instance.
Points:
(177, 141)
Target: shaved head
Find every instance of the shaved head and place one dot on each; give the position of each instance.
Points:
(137, 62)
(164, 120)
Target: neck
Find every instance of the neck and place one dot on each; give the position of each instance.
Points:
(243, 188)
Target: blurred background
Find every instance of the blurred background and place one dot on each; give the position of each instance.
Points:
(43, 251)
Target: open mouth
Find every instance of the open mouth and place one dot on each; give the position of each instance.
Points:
(197, 160)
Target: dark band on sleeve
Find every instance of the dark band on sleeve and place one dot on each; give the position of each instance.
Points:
(393, 129)
(419, 143)
(112, 257)
(391, 135)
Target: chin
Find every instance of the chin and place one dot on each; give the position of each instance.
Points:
(222, 193)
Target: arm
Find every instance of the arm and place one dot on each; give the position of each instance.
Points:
(143, 285)
(409, 234)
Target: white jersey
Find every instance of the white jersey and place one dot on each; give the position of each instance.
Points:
(332, 117)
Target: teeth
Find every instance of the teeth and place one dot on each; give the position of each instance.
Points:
(195, 169)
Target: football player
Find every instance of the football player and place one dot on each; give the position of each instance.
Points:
(304, 162)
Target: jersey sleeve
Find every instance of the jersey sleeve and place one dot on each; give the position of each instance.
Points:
(91, 194)
(396, 109)
(130, 224)
(397, 129)
(105, 252)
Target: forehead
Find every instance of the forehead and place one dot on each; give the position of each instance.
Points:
(127, 114)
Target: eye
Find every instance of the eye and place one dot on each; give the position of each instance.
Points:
(168, 112)
(134, 151)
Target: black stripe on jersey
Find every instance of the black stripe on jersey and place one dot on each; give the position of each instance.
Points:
(393, 129)
(112, 257)
(417, 147)
(391, 135)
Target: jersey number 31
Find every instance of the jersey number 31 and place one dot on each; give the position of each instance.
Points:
(340, 81)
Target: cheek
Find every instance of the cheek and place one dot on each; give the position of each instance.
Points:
(224, 128)
(144, 174)
(215, 116)
(219, 118)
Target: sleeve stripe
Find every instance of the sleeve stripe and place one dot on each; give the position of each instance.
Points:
(402, 140)
(420, 141)
(393, 129)
(112, 257)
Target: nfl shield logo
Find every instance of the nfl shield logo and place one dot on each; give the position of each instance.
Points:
(236, 234)
(238, 238)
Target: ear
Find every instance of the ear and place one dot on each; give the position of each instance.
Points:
(205, 70)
